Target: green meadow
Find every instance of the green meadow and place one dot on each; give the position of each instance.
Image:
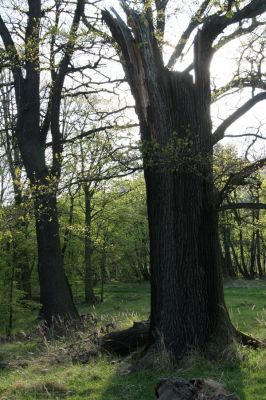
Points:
(39, 368)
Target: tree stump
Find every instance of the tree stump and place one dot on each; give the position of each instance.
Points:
(193, 389)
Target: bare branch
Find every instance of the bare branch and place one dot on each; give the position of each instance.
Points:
(58, 85)
(215, 24)
(219, 133)
(254, 81)
(92, 28)
(252, 135)
(195, 21)
(160, 8)
(239, 178)
(92, 131)
(240, 31)
(13, 56)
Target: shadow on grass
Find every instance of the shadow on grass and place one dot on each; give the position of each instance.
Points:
(141, 384)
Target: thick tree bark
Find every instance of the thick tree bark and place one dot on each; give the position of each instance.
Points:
(55, 293)
(187, 303)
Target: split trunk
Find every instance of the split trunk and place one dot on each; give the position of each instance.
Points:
(187, 303)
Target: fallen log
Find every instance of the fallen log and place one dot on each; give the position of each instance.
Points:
(126, 341)
(193, 389)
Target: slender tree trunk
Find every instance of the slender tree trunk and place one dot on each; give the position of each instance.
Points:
(102, 271)
(258, 239)
(20, 252)
(228, 267)
(21, 257)
(145, 272)
(258, 247)
(23, 270)
(244, 269)
(236, 260)
(11, 295)
(252, 260)
(67, 231)
(89, 294)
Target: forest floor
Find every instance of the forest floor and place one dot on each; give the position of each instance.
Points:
(39, 368)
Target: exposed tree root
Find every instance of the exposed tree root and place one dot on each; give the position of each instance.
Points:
(129, 340)
(248, 340)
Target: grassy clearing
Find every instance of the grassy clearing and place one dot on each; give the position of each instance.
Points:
(247, 306)
(242, 370)
(123, 303)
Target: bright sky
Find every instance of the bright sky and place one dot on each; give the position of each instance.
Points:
(224, 62)
(222, 66)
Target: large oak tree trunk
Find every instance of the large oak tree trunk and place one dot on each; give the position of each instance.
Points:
(187, 303)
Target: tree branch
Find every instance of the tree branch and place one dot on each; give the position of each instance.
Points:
(160, 8)
(252, 80)
(195, 21)
(240, 31)
(58, 86)
(236, 206)
(238, 178)
(215, 24)
(13, 58)
(220, 131)
(92, 28)
(92, 131)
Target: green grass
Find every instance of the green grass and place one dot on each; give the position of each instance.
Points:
(123, 302)
(242, 370)
(247, 307)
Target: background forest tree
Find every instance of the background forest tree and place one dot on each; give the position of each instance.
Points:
(38, 124)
